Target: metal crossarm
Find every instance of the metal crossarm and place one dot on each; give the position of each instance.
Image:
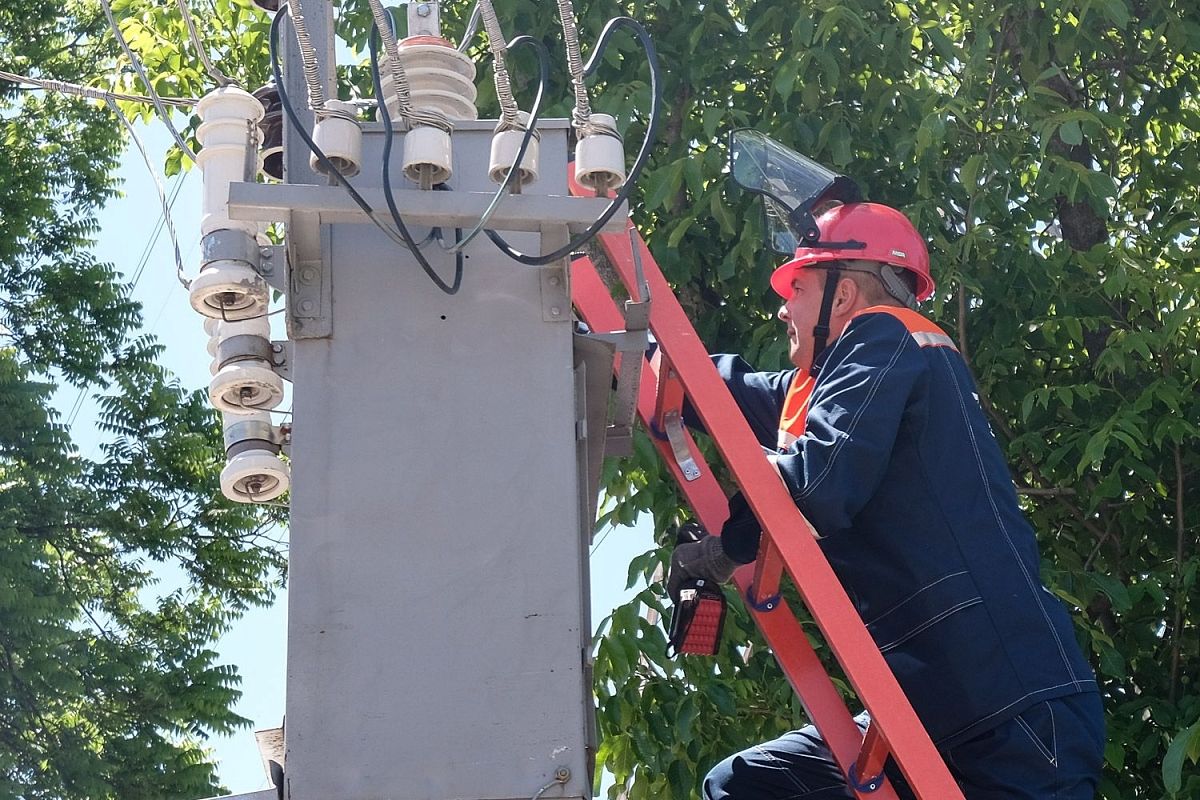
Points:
(787, 543)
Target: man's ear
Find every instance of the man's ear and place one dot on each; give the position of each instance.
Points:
(846, 296)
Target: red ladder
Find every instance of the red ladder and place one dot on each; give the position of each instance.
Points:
(682, 366)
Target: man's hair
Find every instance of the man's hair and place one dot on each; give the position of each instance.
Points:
(865, 275)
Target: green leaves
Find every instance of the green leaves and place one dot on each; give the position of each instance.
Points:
(1184, 746)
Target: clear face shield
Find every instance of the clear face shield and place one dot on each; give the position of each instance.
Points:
(793, 188)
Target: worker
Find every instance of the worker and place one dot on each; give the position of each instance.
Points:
(881, 441)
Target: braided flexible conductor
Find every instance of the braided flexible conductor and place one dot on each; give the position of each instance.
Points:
(509, 119)
(414, 116)
(220, 77)
(581, 115)
(308, 58)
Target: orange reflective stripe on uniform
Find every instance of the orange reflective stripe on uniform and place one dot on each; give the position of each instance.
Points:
(924, 332)
(794, 414)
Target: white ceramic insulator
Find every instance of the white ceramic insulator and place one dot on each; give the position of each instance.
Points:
(505, 146)
(257, 326)
(600, 158)
(439, 77)
(255, 476)
(229, 290)
(243, 387)
(228, 116)
(340, 139)
(211, 325)
(213, 341)
(214, 367)
(427, 148)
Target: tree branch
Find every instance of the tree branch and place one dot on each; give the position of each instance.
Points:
(1180, 594)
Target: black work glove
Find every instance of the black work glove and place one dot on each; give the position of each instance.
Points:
(741, 532)
(703, 559)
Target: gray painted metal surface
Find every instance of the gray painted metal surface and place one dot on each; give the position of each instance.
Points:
(438, 625)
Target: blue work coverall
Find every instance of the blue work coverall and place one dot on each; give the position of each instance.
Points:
(900, 475)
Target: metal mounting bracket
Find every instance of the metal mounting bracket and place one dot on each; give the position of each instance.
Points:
(555, 277)
(274, 266)
(310, 284)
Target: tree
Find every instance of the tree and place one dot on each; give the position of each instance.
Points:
(1047, 149)
(108, 684)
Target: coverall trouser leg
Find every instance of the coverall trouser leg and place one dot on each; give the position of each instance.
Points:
(1051, 751)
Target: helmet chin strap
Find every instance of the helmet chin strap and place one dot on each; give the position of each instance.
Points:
(821, 330)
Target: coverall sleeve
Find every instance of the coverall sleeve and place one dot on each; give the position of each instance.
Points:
(857, 406)
(758, 394)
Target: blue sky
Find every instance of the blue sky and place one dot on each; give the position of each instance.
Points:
(257, 643)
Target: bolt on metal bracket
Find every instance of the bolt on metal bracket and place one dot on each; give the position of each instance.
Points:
(281, 359)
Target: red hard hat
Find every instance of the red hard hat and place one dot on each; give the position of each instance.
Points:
(888, 235)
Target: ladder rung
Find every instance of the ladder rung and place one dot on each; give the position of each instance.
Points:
(763, 594)
(867, 774)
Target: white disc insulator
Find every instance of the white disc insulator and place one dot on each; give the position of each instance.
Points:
(213, 341)
(439, 77)
(211, 325)
(229, 290)
(255, 476)
(505, 146)
(340, 138)
(214, 367)
(600, 158)
(427, 149)
(245, 387)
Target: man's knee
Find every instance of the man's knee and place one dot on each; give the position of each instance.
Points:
(798, 764)
(719, 783)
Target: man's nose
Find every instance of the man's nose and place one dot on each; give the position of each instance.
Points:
(782, 313)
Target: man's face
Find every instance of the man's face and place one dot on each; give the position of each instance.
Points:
(800, 312)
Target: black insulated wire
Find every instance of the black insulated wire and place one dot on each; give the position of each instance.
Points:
(389, 136)
(639, 163)
(535, 113)
(289, 110)
(543, 57)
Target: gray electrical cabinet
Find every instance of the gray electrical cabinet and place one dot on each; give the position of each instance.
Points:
(438, 625)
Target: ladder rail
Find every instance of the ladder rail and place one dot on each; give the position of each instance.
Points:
(892, 715)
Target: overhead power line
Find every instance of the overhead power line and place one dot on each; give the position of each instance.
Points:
(63, 87)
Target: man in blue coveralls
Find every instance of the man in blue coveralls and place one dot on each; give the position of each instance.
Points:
(882, 444)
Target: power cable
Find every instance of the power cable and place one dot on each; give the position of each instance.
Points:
(406, 239)
(639, 163)
(162, 195)
(141, 71)
(388, 141)
(220, 77)
(144, 258)
(308, 58)
(414, 116)
(472, 28)
(530, 131)
(581, 114)
(90, 92)
(290, 112)
(509, 113)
